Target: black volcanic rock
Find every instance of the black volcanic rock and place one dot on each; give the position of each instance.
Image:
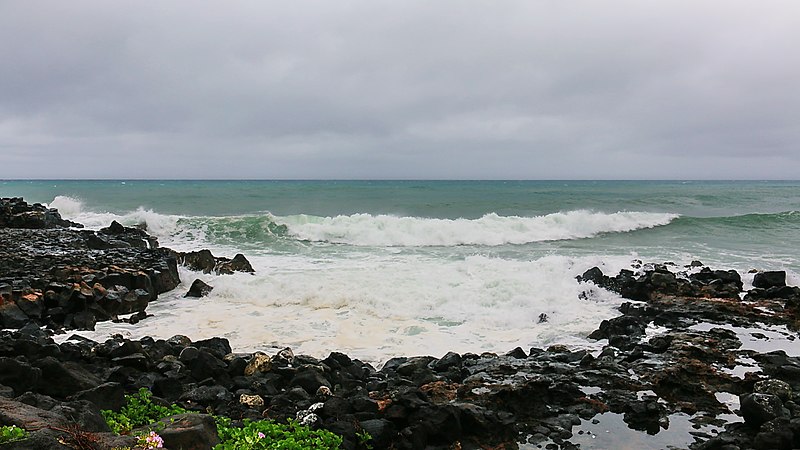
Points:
(118, 236)
(766, 280)
(17, 213)
(73, 278)
(198, 289)
(204, 261)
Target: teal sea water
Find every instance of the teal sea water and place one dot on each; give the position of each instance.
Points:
(386, 268)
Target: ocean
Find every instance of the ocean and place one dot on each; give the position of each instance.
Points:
(378, 269)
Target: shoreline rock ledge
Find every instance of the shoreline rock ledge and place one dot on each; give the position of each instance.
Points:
(58, 276)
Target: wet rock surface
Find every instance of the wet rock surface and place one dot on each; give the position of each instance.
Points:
(691, 356)
(17, 213)
(204, 261)
(55, 275)
(58, 278)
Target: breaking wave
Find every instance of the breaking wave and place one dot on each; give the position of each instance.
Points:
(372, 230)
(489, 230)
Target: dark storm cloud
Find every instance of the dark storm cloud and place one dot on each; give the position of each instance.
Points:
(518, 89)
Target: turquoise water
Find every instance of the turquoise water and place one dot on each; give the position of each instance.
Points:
(441, 199)
(743, 221)
(385, 268)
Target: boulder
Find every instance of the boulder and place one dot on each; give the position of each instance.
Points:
(201, 261)
(778, 388)
(766, 280)
(62, 380)
(198, 289)
(757, 409)
(104, 396)
(11, 316)
(19, 375)
(238, 264)
(382, 432)
(188, 431)
(126, 236)
(310, 379)
(260, 362)
(204, 261)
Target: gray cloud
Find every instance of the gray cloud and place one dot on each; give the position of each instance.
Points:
(357, 89)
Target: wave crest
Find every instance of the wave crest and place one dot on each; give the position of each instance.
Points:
(489, 230)
(68, 207)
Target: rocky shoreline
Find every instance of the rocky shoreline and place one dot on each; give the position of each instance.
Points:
(693, 361)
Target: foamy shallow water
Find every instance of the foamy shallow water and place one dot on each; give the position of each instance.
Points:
(375, 309)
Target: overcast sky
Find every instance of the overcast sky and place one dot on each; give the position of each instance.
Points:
(400, 89)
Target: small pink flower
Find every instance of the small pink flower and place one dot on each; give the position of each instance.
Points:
(261, 435)
(153, 440)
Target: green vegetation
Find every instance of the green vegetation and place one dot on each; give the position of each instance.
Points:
(266, 434)
(263, 434)
(363, 439)
(138, 411)
(12, 433)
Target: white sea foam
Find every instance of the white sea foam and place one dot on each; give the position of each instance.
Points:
(378, 307)
(491, 229)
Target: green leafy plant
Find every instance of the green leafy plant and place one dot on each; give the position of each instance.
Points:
(363, 439)
(266, 434)
(138, 411)
(12, 433)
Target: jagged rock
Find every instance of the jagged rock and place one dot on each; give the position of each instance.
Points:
(447, 362)
(206, 365)
(17, 213)
(117, 235)
(204, 261)
(61, 279)
(619, 326)
(238, 264)
(199, 289)
(789, 293)
(201, 261)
